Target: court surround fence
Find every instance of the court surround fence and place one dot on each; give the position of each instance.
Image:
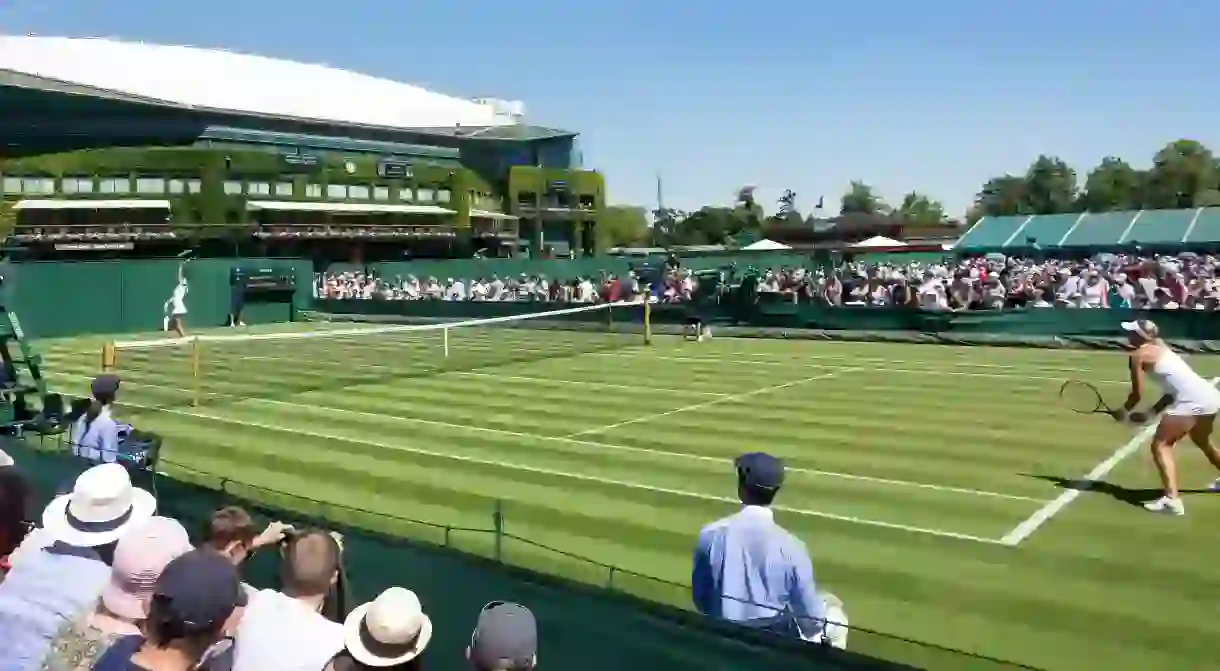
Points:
(592, 615)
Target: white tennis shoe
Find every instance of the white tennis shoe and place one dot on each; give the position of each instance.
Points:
(1166, 505)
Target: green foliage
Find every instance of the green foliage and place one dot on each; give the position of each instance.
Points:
(862, 199)
(622, 226)
(1184, 174)
(920, 210)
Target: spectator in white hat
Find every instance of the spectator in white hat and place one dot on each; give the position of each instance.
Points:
(139, 558)
(60, 575)
(390, 632)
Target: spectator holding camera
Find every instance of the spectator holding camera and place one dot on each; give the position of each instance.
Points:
(232, 532)
(285, 630)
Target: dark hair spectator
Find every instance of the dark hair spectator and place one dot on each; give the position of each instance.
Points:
(191, 605)
(16, 501)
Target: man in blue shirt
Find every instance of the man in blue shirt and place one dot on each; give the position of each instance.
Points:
(749, 570)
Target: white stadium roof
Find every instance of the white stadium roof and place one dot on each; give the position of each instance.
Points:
(230, 82)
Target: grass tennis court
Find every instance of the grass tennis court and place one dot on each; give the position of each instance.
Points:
(932, 485)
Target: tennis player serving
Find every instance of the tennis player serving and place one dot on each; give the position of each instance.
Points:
(1190, 404)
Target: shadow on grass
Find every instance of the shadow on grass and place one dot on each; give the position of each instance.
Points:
(1127, 495)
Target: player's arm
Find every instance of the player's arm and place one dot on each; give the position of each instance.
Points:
(1136, 372)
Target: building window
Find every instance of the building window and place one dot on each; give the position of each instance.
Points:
(115, 185)
(175, 186)
(381, 193)
(358, 192)
(442, 196)
(232, 188)
(84, 185)
(38, 186)
(258, 189)
(12, 185)
(150, 185)
(336, 191)
(194, 186)
(425, 195)
(406, 195)
(313, 190)
(283, 189)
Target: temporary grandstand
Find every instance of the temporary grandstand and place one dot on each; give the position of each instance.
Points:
(1095, 231)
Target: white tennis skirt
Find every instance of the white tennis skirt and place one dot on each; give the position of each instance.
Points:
(1192, 409)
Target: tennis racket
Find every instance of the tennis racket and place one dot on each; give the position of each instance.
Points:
(1083, 398)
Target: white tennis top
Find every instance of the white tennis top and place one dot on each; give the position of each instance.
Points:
(178, 299)
(1179, 380)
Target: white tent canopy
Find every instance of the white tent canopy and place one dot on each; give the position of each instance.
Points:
(764, 245)
(880, 241)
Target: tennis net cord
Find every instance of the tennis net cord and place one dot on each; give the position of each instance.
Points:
(195, 370)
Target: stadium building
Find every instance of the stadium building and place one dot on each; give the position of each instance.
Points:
(111, 147)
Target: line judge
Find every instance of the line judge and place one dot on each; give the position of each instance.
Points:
(749, 570)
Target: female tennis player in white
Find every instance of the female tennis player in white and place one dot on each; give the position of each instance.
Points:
(1190, 404)
(177, 304)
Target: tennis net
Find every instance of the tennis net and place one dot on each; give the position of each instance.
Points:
(172, 372)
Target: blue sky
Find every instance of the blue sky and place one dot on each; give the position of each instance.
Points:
(934, 96)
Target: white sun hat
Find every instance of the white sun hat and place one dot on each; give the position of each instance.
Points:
(390, 630)
(103, 505)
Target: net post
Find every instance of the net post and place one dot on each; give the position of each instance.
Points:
(647, 322)
(110, 362)
(196, 356)
(445, 337)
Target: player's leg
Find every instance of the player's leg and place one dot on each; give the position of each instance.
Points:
(176, 325)
(1171, 429)
(1201, 435)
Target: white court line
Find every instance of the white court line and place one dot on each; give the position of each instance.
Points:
(608, 446)
(581, 383)
(1026, 529)
(563, 474)
(698, 406)
(879, 369)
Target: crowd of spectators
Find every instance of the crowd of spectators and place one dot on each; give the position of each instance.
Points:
(679, 285)
(102, 582)
(1183, 282)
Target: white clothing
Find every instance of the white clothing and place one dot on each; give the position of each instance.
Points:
(1093, 294)
(1192, 395)
(177, 301)
(100, 441)
(279, 633)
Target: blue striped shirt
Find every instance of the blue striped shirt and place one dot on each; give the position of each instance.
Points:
(747, 568)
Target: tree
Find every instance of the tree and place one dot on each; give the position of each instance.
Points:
(919, 210)
(1050, 186)
(1181, 172)
(861, 199)
(1000, 197)
(788, 214)
(622, 226)
(1113, 185)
